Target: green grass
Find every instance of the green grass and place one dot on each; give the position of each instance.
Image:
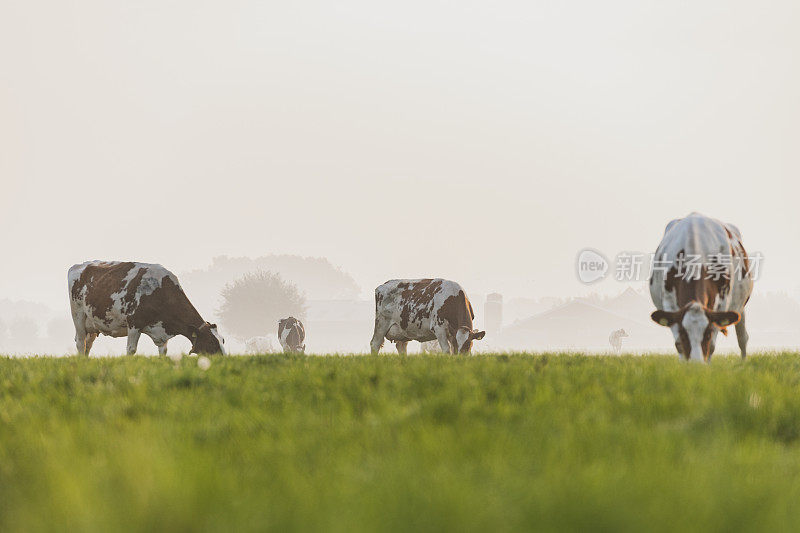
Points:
(508, 442)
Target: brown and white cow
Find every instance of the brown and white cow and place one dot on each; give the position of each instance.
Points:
(291, 335)
(700, 284)
(424, 310)
(122, 299)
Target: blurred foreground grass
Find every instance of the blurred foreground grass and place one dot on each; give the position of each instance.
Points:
(507, 442)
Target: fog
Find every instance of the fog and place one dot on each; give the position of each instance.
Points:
(486, 143)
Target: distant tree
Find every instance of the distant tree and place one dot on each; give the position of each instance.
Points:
(253, 304)
(24, 328)
(316, 277)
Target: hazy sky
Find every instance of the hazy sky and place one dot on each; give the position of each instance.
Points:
(485, 142)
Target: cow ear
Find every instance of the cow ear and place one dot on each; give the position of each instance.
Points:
(724, 318)
(665, 318)
(478, 335)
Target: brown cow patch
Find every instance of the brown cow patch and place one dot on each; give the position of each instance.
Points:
(702, 288)
(417, 298)
(294, 338)
(457, 310)
(169, 305)
(129, 298)
(105, 279)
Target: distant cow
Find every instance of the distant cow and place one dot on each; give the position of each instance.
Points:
(424, 310)
(430, 347)
(291, 335)
(615, 339)
(256, 345)
(127, 299)
(700, 284)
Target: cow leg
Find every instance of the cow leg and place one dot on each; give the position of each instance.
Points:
(742, 336)
(79, 319)
(402, 347)
(443, 336)
(80, 343)
(80, 339)
(83, 340)
(133, 340)
(377, 338)
(89, 341)
(162, 348)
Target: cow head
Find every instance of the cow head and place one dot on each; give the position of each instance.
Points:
(465, 336)
(206, 339)
(695, 328)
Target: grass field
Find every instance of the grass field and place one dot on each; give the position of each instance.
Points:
(507, 442)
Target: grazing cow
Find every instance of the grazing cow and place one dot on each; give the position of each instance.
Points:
(424, 310)
(291, 335)
(700, 284)
(121, 299)
(615, 339)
